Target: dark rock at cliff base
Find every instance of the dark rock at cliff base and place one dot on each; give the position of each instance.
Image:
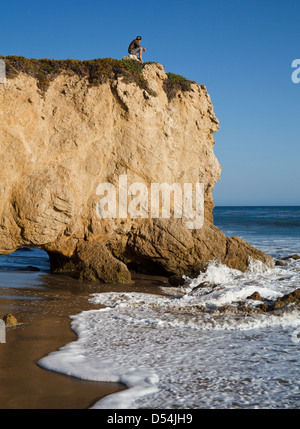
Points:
(176, 281)
(199, 267)
(95, 263)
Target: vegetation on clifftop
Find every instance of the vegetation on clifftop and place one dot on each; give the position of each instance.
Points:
(97, 71)
(176, 83)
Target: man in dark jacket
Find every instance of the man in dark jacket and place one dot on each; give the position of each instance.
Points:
(135, 48)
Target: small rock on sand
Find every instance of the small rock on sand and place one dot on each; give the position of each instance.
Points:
(10, 320)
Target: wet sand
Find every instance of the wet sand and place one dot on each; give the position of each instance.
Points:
(43, 312)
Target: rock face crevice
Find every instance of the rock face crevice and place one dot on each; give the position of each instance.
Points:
(57, 148)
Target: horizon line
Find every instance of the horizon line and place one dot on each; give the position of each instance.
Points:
(255, 205)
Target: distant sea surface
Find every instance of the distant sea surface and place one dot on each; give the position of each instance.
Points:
(179, 348)
(276, 230)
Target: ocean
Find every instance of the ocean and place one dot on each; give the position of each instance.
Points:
(203, 345)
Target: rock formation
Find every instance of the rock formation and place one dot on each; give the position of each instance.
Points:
(57, 146)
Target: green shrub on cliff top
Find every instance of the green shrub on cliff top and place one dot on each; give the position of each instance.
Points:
(97, 71)
(176, 83)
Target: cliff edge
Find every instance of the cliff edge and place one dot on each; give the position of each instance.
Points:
(65, 130)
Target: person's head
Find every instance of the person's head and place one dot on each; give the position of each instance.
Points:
(138, 38)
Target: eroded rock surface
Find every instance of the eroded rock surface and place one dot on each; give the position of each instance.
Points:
(57, 147)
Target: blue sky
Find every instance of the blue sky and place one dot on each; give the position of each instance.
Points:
(241, 50)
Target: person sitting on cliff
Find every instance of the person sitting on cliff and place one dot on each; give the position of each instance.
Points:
(136, 49)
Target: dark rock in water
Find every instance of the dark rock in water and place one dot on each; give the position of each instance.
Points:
(176, 281)
(240, 309)
(227, 309)
(30, 268)
(201, 286)
(10, 320)
(256, 296)
(265, 307)
(292, 297)
(280, 263)
(295, 256)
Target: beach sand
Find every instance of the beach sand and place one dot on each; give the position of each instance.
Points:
(43, 312)
(44, 326)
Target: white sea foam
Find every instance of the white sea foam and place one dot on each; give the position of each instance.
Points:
(94, 357)
(170, 354)
(225, 285)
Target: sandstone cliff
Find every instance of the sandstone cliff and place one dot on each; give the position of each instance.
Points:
(58, 144)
